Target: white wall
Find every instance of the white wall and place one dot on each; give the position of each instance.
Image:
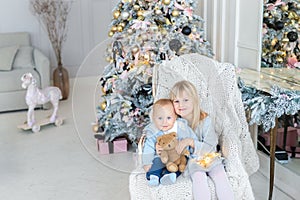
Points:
(14, 16)
(88, 25)
(89, 22)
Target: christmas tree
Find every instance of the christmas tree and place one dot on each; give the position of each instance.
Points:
(144, 33)
(280, 41)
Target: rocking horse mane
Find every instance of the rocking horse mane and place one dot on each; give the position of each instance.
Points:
(33, 82)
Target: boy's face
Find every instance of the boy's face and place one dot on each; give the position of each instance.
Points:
(164, 117)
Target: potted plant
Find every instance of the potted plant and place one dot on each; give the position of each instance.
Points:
(53, 16)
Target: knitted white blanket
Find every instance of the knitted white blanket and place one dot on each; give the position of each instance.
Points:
(221, 98)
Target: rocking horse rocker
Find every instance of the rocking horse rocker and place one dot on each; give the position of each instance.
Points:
(36, 96)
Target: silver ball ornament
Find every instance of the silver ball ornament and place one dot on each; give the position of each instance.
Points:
(125, 15)
(144, 37)
(130, 31)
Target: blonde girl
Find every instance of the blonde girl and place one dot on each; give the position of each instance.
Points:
(187, 105)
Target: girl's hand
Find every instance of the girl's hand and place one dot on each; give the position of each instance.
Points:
(158, 149)
(182, 144)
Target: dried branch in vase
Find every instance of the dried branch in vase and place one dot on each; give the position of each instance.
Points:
(53, 15)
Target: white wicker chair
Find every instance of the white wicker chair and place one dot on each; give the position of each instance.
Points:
(221, 98)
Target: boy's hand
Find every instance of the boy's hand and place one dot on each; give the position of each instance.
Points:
(158, 149)
(146, 167)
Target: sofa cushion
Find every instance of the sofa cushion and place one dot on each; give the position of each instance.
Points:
(11, 80)
(7, 55)
(24, 57)
(15, 38)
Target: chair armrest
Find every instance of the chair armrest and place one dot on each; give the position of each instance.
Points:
(42, 66)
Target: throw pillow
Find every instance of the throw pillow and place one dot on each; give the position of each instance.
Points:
(7, 55)
(24, 57)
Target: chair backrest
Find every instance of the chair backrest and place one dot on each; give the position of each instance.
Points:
(213, 80)
(220, 98)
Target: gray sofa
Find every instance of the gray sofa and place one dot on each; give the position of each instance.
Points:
(18, 56)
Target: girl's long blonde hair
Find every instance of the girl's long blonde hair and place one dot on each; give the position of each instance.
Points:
(190, 89)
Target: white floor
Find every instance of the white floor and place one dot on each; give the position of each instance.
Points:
(62, 163)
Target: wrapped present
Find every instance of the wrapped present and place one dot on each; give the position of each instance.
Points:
(103, 147)
(120, 145)
(291, 137)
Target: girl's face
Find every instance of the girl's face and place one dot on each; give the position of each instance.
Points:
(183, 105)
(164, 117)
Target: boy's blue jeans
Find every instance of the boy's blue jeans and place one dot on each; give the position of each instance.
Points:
(158, 169)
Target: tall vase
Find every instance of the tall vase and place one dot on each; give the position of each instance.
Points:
(61, 80)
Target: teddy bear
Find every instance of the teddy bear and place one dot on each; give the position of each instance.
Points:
(174, 161)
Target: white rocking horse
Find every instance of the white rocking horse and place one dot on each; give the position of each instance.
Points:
(36, 96)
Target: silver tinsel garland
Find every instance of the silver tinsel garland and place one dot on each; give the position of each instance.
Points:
(265, 108)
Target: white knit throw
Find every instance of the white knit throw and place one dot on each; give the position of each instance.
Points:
(221, 98)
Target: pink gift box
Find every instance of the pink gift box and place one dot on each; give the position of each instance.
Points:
(120, 145)
(291, 138)
(103, 147)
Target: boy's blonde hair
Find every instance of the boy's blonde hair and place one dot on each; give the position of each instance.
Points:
(160, 103)
(191, 91)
